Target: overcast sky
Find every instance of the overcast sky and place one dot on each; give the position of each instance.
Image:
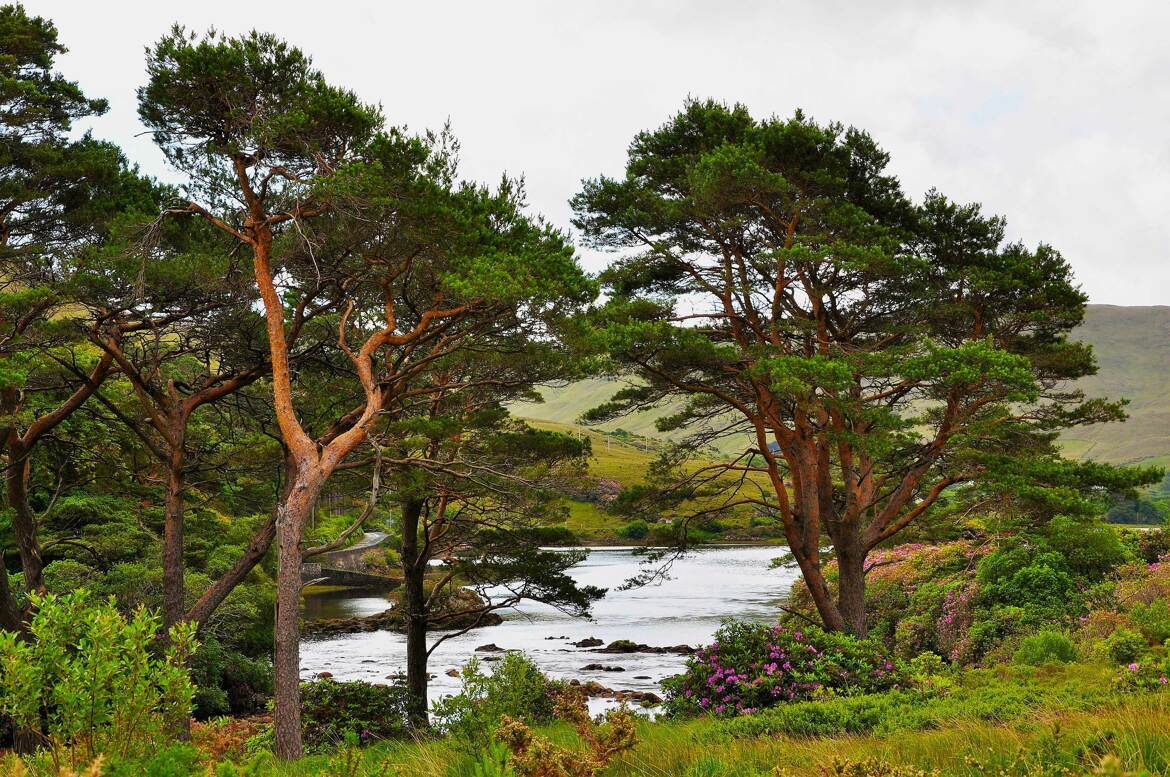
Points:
(1055, 114)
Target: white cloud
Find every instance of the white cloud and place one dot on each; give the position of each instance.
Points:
(1053, 113)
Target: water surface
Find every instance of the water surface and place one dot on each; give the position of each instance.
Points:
(705, 587)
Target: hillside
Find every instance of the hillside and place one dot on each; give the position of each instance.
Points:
(1132, 345)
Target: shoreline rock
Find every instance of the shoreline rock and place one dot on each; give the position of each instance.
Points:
(596, 690)
(629, 646)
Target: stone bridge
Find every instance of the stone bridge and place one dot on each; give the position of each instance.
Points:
(318, 574)
(346, 567)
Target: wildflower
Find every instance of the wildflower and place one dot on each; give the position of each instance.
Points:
(1162, 679)
(1133, 667)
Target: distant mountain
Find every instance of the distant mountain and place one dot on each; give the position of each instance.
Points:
(1132, 345)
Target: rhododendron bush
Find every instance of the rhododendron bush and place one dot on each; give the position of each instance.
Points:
(751, 666)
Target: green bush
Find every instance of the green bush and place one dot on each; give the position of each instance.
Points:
(176, 760)
(90, 681)
(1125, 646)
(1090, 547)
(330, 710)
(228, 682)
(516, 687)
(1151, 545)
(752, 666)
(634, 530)
(985, 696)
(1046, 647)
(1040, 583)
(1152, 620)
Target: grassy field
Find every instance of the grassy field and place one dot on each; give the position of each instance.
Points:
(617, 456)
(1072, 724)
(1132, 345)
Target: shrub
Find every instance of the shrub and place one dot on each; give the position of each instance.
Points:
(516, 688)
(1144, 675)
(1090, 547)
(536, 756)
(331, 709)
(1000, 696)
(1125, 646)
(634, 530)
(1152, 620)
(1046, 647)
(175, 760)
(1041, 584)
(228, 681)
(89, 682)
(1151, 545)
(752, 666)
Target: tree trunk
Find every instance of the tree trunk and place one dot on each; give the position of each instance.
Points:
(10, 615)
(851, 585)
(822, 596)
(174, 589)
(291, 518)
(413, 601)
(24, 523)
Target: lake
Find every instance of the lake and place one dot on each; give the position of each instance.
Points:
(705, 587)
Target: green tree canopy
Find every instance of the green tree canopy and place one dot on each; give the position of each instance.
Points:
(775, 285)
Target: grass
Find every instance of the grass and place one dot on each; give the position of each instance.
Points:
(1053, 720)
(625, 459)
(613, 458)
(1136, 730)
(1008, 720)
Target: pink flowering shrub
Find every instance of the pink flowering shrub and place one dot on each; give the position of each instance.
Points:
(919, 597)
(1149, 674)
(750, 667)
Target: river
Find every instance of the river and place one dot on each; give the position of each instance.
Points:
(704, 587)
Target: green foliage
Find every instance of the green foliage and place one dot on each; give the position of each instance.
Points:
(1152, 620)
(634, 530)
(751, 667)
(1091, 548)
(175, 760)
(1045, 647)
(983, 696)
(228, 680)
(1125, 646)
(516, 688)
(88, 681)
(330, 710)
(1040, 583)
(493, 762)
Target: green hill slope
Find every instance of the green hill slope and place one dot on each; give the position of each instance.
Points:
(1132, 345)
